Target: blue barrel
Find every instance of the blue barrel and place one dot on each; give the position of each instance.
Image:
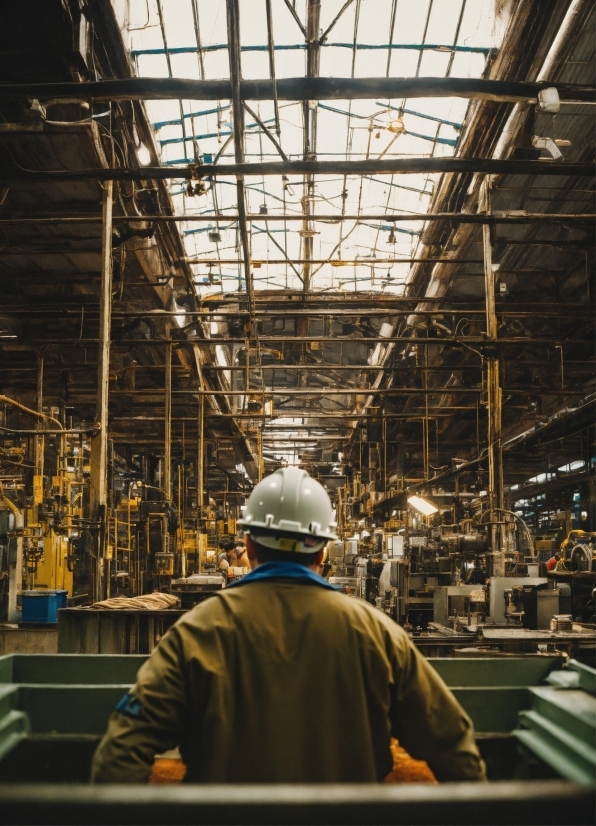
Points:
(42, 606)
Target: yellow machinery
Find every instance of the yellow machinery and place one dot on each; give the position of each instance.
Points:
(53, 520)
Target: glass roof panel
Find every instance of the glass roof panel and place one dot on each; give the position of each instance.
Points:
(430, 38)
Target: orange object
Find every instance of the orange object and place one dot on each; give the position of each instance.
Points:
(406, 769)
(169, 771)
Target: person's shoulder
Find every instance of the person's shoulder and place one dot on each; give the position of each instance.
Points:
(361, 611)
(208, 608)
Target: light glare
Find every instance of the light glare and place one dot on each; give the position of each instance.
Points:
(422, 506)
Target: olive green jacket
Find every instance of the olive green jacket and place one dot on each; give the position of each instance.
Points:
(284, 681)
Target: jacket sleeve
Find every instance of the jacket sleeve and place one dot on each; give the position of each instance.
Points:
(148, 721)
(427, 719)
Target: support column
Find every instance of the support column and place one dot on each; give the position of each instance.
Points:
(15, 563)
(39, 440)
(494, 393)
(309, 151)
(200, 472)
(99, 442)
(167, 469)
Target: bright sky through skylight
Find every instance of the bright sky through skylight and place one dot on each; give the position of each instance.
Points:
(346, 129)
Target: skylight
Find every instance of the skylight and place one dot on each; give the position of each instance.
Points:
(429, 38)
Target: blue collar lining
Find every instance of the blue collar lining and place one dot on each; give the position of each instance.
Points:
(283, 570)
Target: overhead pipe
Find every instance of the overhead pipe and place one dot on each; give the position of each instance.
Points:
(419, 342)
(383, 166)
(295, 89)
(497, 217)
(40, 415)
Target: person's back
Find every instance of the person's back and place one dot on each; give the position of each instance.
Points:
(281, 678)
(290, 682)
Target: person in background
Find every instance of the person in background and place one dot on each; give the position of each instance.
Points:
(552, 562)
(241, 554)
(227, 555)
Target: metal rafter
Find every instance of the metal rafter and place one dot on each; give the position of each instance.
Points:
(384, 166)
(300, 88)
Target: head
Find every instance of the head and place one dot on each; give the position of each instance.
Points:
(228, 547)
(288, 518)
(258, 554)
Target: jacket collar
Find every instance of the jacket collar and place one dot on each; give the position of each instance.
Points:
(283, 570)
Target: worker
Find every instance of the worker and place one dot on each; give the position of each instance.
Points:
(241, 554)
(552, 562)
(235, 557)
(280, 678)
(227, 553)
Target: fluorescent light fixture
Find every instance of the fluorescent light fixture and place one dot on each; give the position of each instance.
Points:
(422, 506)
(143, 155)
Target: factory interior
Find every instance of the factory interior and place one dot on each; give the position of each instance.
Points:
(356, 237)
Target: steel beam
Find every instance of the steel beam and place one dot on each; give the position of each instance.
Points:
(210, 315)
(289, 339)
(298, 88)
(494, 395)
(502, 217)
(167, 475)
(99, 441)
(375, 166)
(201, 458)
(233, 23)
(349, 391)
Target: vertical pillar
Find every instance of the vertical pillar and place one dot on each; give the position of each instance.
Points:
(425, 422)
(493, 387)
(39, 440)
(167, 470)
(99, 442)
(261, 464)
(309, 114)
(15, 564)
(181, 509)
(201, 458)
(37, 499)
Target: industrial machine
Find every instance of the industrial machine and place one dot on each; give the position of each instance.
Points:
(453, 571)
(51, 539)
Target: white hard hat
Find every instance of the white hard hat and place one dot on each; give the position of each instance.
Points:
(290, 511)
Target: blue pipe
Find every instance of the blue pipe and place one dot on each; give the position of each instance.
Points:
(209, 134)
(447, 141)
(160, 124)
(420, 115)
(426, 47)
